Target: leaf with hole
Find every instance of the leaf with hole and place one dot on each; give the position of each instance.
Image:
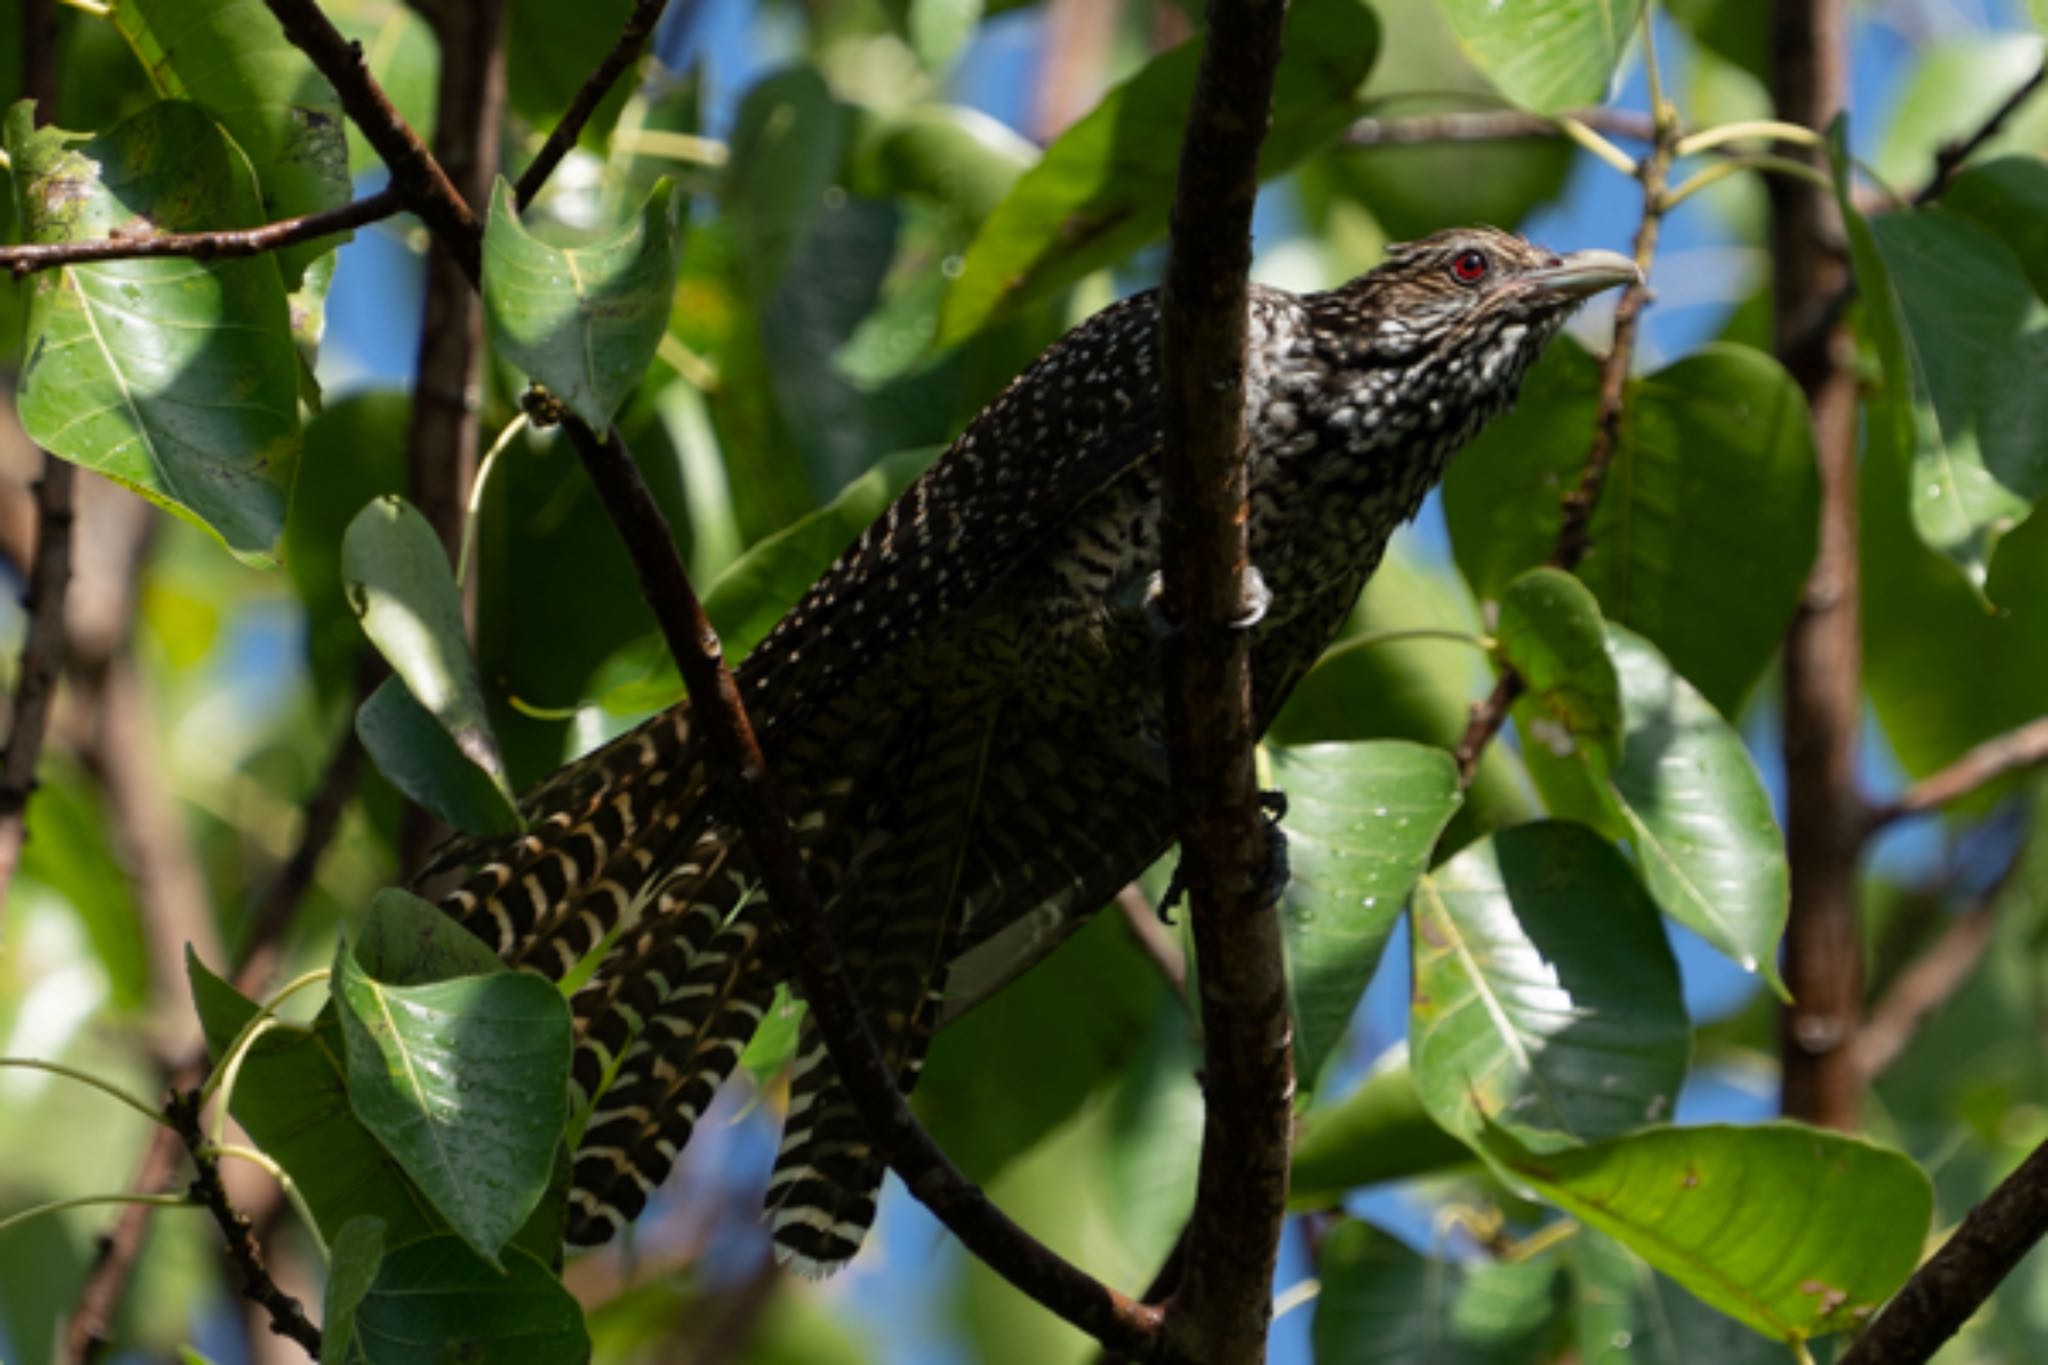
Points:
(1546, 1000)
(176, 378)
(582, 321)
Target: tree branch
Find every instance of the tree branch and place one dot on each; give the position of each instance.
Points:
(1574, 530)
(2011, 752)
(25, 260)
(1954, 1282)
(632, 38)
(1952, 156)
(1221, 1308)
(1493, 125)
(287, 1316)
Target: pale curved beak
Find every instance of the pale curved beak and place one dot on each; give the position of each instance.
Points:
(1584, 273)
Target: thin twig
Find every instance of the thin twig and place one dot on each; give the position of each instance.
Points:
(42, 649)
(1492, 125)
(1954, 1282)
(715, 703)
(2011, 752)
(203, 246)
(1952, 156)
(1924, 986)
(632, 38)
(1574, 531)
(287, 1315)
(415, 174)
(1222, 1306)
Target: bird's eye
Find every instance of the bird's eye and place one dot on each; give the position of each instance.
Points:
(1470, 267)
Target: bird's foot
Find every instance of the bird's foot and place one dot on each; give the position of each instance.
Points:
(1273, 809)
(1258, 600)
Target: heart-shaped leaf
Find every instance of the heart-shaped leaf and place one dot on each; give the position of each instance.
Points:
(1361, 821)
(174, 377)
(1546, 999)
(1796, 1231)
(464, 1080)
(582, 321)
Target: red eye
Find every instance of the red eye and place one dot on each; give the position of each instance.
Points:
(1470, 267)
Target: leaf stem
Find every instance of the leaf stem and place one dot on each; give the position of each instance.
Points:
(476, 493)
(1775, 130)
(72, 1073)
(90, 1200)
(1757, 161)
(263, 1019)
(1597, 145)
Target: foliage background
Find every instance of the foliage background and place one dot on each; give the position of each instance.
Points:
(812, 274)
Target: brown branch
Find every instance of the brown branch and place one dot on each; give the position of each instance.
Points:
(632, 38)
(1952, 1283)
(1575, 525)
(2011, 752)
(287, 1316)
(1493, 125)
(42, 648)
(415, 174)
(1823, 646)
(1952, 156)
(203, 246)
(1222, 1306)
(715, 701)
(1927, 983)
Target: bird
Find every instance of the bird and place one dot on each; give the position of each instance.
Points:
(964, 713)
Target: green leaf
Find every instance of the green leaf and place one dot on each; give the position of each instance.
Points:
(406, 941)
(1627, 1313)
(176, 378)
(404, 56)
(464, 1080)
(1550, 632)
(950, 153)
(759, 587)
(2009, 196)
(1104, 187)
(1381, 1302)
(352, 1263)
(232, 58)
(1690, 807)
(787, 146)
(419, 757)
(1548, 55)
(1963, 339)
(434, 1300)
(1546, 999)
(1796, 1231)
(291, 1098)
(1361, 821)
(935, 29)
(400, 586)
(582, 321)
(1014, 1068)
(1708, 521)
(1380, 1131)
(1367, 686)
(553, 49)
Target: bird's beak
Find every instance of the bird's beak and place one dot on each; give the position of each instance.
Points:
(1584, 273)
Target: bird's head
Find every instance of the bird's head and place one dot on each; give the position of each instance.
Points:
(1477, 294)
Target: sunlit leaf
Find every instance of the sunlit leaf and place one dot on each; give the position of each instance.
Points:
(582, 321)
(410, 607)
(174, 377)
(1548, 55)
(1104, 187)
(1546, 999)
(1689, 806)
(232, 58)
(463, 1079)
(1361, 821)
(1796, 1231)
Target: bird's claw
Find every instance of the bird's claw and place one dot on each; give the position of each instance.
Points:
(1258, 600)
(1273, 809)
